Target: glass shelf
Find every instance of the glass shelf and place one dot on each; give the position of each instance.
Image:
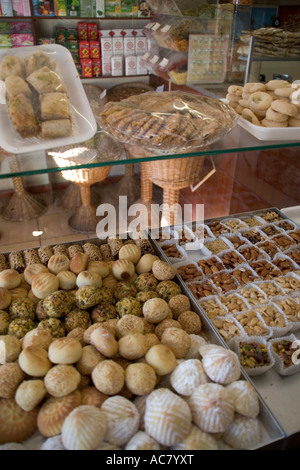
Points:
(238, 140)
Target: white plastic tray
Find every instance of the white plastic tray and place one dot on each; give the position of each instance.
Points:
(84, 125)
(270, 133)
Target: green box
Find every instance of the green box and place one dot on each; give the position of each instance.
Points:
(5, 40)
(129, 8)
(87, 8)
(73, 8)
(113, 8)
(60, 8)
(4, 27)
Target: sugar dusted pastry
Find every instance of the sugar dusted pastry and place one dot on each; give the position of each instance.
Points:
(140, 378)
(89, 359)
(177, 340)
(246, 401)
(187, 376)
(167, 418)
(32, 270)
(197, 440)
(190, 322)
(10, 348)
(108, 377)
(44, 284)
(5, 298)
(11, 375)
(53, 443)
(34, 361)
(129, 324)
(30, 393)
(54, 411)
(220, 364)
(156, 310)
(132, 346)
(178, 304)
(64, 351)
(123, 269)
(91, 396)
(122, 420)
(211, 406)
(141, 441)
(61, 380)
(196, 342)
(67, 280)
(58, 262)
(16, 425)
(130, 252)
(163, 271)
(243, 433)
(84, 428)
(10, 278)
(13, 446)
(161, 358)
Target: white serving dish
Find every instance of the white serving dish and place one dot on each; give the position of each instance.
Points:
(84, 125)
(270, 133)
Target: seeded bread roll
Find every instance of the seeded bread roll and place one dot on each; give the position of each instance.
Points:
(11, 375)
(31, 256)
(45, 253)
(105, 251)
(61, 380)
(93, 251)
(16, 261)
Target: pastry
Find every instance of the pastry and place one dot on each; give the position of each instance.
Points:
(78, 262)
(91, 396)
(87, 297)
(20, 326)
(45, 253)
(10, 348)
(161, 358)
(23, 116)
(11, 375)
(102, 312)
(122, 269)
(128, 305)
(5, 298)
(132, 346)
(178, 304)
(18, 293)
(196, 342)
(108, 377)
(168, 289)
(246, 401)
(198, 440)
(122, 420)
(93, 251)
(89, 359)
(10, 278)
(57, 304)
(129, 324)
(145, 263)
(30, 393)
(77, 318)
(190, 322)
(54, 326)
(124, 289)
(242, 433)
(44, 284)
(156, 310)
(177, 340)
(146, 282)
(22, 308)
(37, 337)
(53, 443)
(54, 105)
(32, 269)
(141, 441)
(140, 378)
(4, 322)
(89, 278)
(220, 364)
(58, 262)
(16, 425)
(167, 417)
(54, 411)
(101, 267)
(163, 325)
(12, 65)
(104, 342)
(67, 280)
(163, 271)
(34, 361)
(84, 428)
(64, 351)
(77, 333)
(187, 376)
(130, 252)
(16, 261)
(61, 380)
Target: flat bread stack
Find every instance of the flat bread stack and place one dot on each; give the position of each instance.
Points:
(272, 42)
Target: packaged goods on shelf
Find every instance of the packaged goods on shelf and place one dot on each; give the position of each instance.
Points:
(43, 7)
(72, 7)
(21, 8)
(60, 8)
(4, 27)
(117, 66)
(113, 8)
(6, 8)
(87, 8)
(143, 9)
(23, 27)
(100, 9)
(22, 40)
(5, 40)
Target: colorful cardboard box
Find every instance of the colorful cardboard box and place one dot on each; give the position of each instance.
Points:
(73, 8)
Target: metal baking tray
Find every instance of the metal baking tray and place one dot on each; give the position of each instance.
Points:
(273, 435)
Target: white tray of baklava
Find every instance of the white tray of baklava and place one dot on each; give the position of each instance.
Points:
(38, 121)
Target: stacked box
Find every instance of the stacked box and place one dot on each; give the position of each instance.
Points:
(43, 7)
(72, 7)
(21, 8)
(6, 8)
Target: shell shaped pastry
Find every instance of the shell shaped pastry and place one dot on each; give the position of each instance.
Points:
(245, 398)
(16, 425)
(167, 418)
(196, 342)
(187, 376)
(123, 420)
(140, 403)
(211, 407)
(243, 433)
(198, 440)
(141, 441)
(84, 428)
(54, 411)
(221, 365)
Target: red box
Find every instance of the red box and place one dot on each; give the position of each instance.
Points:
(82, 31)
(96, 64)
(94, 50)
(92, 31)
(87, 67)
(84, 49)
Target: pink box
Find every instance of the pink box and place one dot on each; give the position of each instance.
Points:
(129, 46)
(141, 66)
(18, 40)
(140, 45)
(106, 47)
(118, 46)
(106, 66)
(117, 66)
(130, 65)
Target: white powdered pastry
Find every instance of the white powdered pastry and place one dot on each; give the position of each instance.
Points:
(245, 398)
(84, 428)
(243, 433)
(167, 418)
(212, 409)
(35, 441)
(221, 365)
(141, 441)
(187, 376)
(53, 443)
(196, 342)
(140, 403)
(123, 419)
(12, 446)
(197, 440)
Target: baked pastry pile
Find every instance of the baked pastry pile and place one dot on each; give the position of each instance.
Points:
(273, 104)
(96, 352)
(38, 103)
(172, 121)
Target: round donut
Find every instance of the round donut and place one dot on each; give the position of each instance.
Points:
(253, 87)
(283, 92)
(272, 115)
(245, 95)
(260, 101)
(244, 103)
(267, 123)
(250, 116)
(283, 107)
(273, 84)
(235, 90)
(293, 122)
(231, 97)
